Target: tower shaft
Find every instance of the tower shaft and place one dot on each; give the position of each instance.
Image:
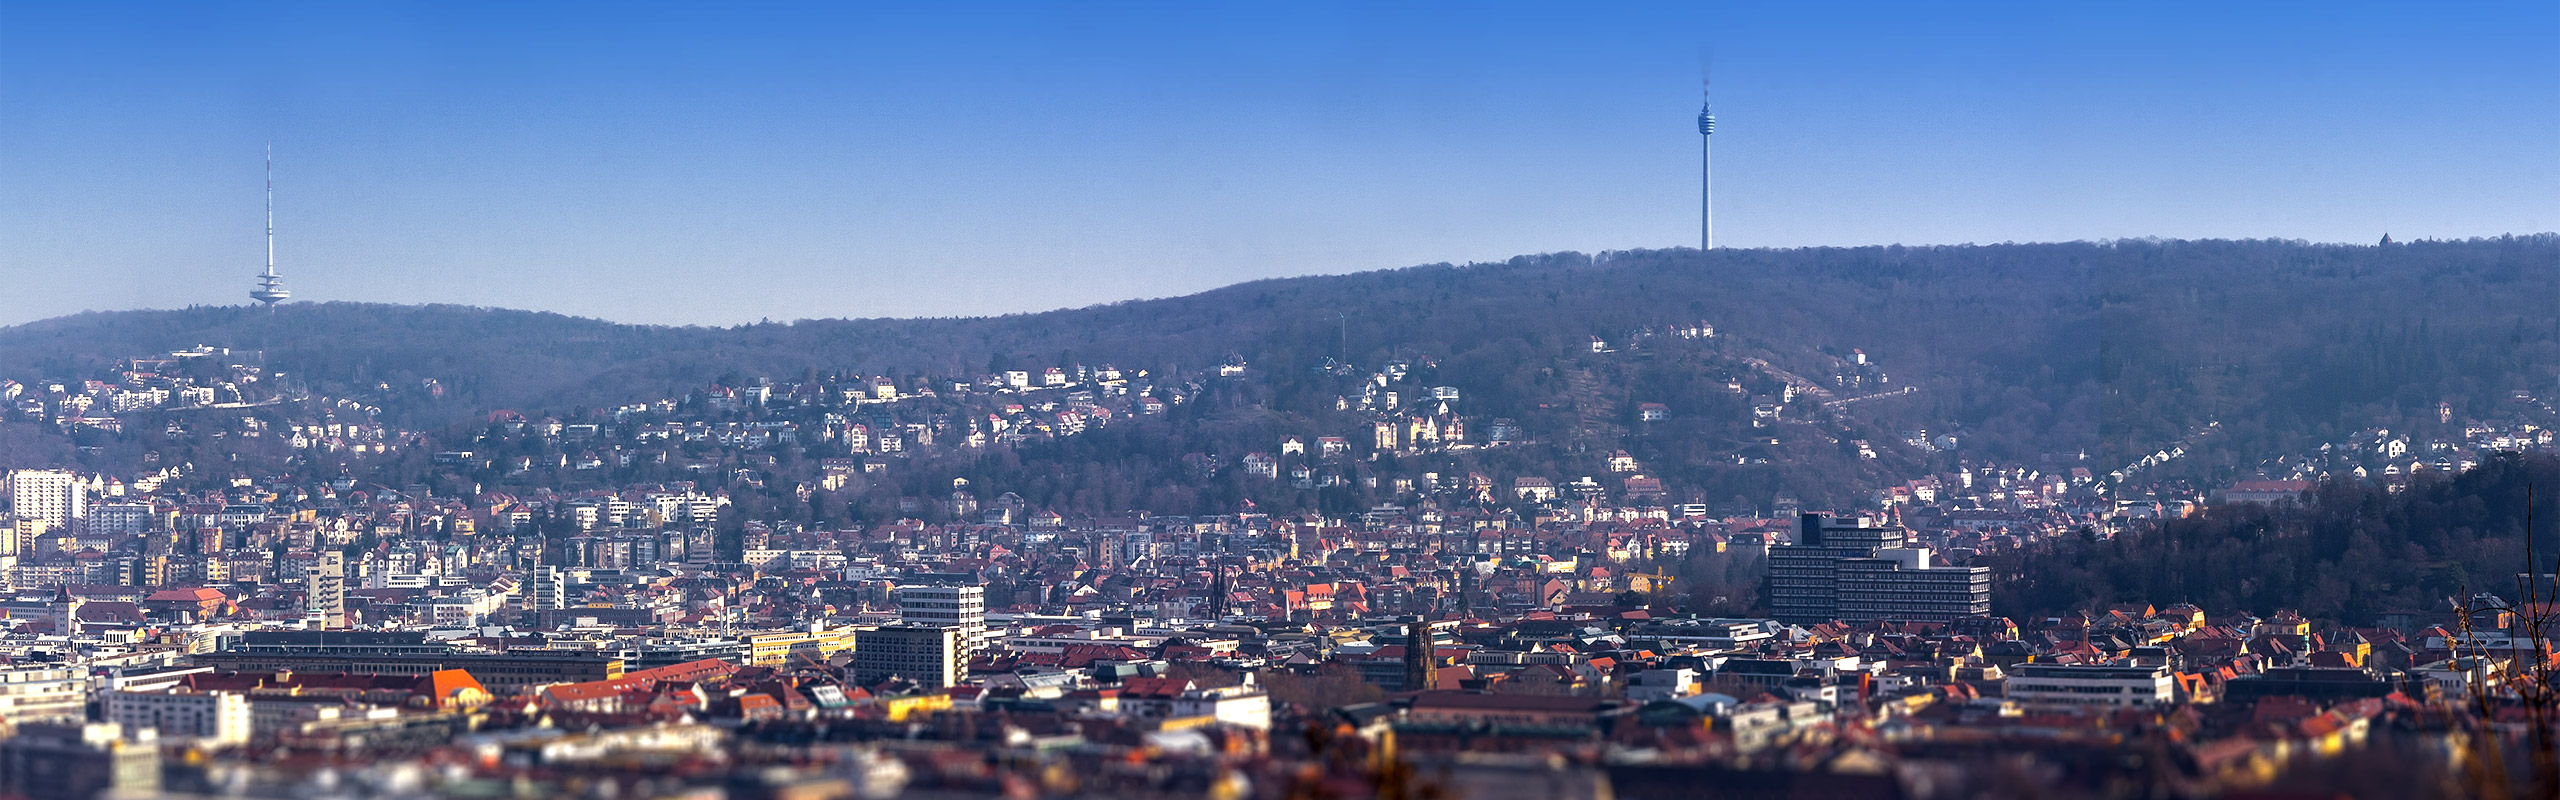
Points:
(271, 210)
(1706, 176)
(1707, 193)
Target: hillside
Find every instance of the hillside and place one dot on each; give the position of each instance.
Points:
(2018, 351)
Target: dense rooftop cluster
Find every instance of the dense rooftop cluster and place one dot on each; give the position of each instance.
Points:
(275, 641)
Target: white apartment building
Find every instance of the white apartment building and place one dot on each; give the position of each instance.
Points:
(325, 586)
(1245, 705)
(545, 587)
(465, 608)
(55, 496)
(44, 500)
(43, 694)
(213, 718)
(2092, 685)
(951, 606)
(1058, 643)
(120, 519)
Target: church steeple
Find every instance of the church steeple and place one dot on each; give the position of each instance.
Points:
(1217, 592)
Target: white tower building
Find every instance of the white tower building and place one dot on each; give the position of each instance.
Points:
(44, 500)
(325, 592)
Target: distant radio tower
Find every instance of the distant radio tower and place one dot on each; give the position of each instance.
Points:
(270, 285)
(1707, 176)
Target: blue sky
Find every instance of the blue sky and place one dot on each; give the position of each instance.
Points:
(709, 163)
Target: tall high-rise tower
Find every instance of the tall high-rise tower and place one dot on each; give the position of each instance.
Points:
(43, 501)
(1707, 176)
(270, 285)
(325, 592)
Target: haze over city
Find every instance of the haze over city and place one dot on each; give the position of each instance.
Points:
(824, 160)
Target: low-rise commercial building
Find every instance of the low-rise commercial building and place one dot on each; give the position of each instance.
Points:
(43, 694)
(2081, 684)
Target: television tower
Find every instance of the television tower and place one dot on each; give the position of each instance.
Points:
(1707, 176)
(270, 285)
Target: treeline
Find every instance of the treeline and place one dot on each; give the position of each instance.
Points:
(2354, 551)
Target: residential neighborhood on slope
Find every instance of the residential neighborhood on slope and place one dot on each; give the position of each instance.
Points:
(613, 600)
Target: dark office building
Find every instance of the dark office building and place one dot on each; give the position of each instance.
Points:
(1856, 572)
(2324, 684)
(77, 761)
(366, 653)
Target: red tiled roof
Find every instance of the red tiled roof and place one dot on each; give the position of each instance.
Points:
(195, 595)
(1154, 687)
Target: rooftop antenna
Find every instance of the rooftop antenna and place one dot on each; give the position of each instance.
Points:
(270, 285)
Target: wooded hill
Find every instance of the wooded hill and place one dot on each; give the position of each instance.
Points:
(2020, 350)
(2353, 552)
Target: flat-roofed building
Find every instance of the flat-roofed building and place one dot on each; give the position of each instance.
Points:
(1049, 640)
(43, 694)
(957, 605)
(122, 519)
(2090, 684)
(1510, 709)
(325, 592)
(406, 653)
(545, 587)
(926, 654)
(215, 718)
(2325, 684)
(1716, 633)
(782, 648)
(43, 500)
(2267, 492)
(79, 759)
(55, 496)
(1855, 571)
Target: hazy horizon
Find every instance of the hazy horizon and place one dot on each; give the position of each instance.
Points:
(661, 164)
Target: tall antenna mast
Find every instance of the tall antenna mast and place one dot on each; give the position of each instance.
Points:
(270, 285)
(271, 209)
(1707, 172)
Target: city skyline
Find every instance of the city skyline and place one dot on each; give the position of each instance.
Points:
(563, 161)
(821, 401)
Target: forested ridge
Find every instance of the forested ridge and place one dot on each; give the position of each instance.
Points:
(2114, 348)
